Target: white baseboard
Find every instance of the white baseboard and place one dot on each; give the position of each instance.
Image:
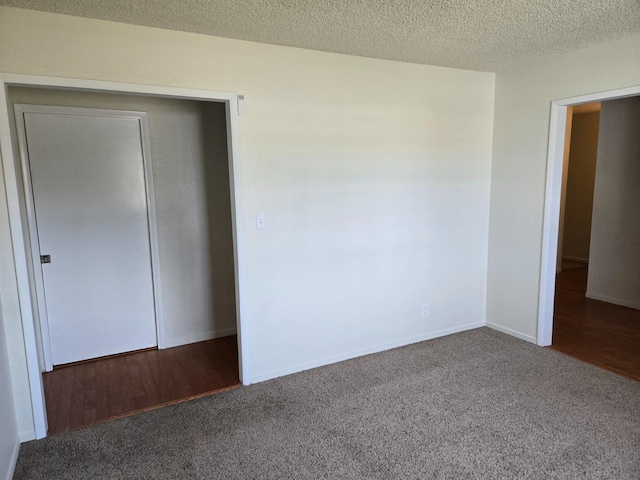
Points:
(513, 333)
(11, 467)
(27, 436)
(261, 377)
(575, 259)
(198, 337)
(615, 301)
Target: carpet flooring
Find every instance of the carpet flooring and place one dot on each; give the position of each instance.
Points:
(478, 404)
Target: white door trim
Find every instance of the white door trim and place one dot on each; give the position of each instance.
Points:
(553, 192)
(41, 309)
(19, 229)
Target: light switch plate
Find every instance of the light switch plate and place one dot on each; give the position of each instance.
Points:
(241, 109)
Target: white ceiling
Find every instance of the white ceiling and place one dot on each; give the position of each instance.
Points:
(489, 35)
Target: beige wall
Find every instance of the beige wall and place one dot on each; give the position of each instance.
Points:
(193, 208)
(580, 182)
(373, 175)
(614, 267)
(9, 439)
(521, 133)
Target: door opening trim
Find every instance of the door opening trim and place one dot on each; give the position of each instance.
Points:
(19, 228)
(553, 192)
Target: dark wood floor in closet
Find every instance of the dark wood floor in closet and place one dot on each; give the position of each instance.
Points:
(92, 392)
(596, 332)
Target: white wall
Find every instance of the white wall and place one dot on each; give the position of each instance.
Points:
(580, 183)
(614, 262)
(373, 175)
(193, 208)
(9, 440)
(521, 133)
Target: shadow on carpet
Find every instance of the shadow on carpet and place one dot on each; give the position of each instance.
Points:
(477, 404)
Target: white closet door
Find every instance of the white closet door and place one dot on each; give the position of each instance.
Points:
(87, 175)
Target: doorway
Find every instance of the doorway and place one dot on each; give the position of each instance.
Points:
(588, 325)
(579, 173)
(19, 227)
(592, 318)
(83, 169)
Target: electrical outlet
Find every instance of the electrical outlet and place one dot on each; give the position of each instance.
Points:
(424, 310)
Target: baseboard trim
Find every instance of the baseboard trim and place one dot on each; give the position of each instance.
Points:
(261, 377)
(198, 337)
(13, 460)
(615, 301)
(513, 333)
(27, 436)
(575, 259)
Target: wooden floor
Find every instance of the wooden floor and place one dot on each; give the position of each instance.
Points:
(596, 332)
(92, 392)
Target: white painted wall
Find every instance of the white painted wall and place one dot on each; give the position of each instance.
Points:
(373, 175)
(9, 439)
(580, 183)
(521, 133)
(614, 262)
(191, 183)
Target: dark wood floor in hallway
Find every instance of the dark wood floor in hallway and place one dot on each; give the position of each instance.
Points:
(95, 391)
(596, 332)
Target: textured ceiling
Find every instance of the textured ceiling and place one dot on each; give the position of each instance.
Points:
(489, 35)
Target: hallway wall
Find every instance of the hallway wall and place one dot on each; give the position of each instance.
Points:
(614, 267)
(580, 184)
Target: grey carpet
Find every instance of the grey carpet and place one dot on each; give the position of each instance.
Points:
(477, 404)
